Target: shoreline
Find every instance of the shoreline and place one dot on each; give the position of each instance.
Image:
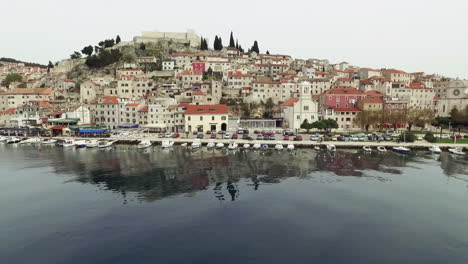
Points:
(298, 144)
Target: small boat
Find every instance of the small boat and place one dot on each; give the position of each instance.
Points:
(381, 149)
(68, 143)
(220, 145)
(105, 144)
(80, 144)
(3, 139)
(367, 149)
(279, 146)
(91, 143)
(31, 141)
(257, 146)
(457, 151)
(196, 144)
(317, 147)
(13, 140)
(167, 143)
(331, 147)
(232, 145)
(402, 150)
(246, 146)
(290, 147)
(265, 146)
(48, 141)
(145, 143)
(184, 144)
(435, 149)
(211, 144)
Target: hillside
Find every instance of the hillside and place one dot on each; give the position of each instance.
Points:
(29, 64)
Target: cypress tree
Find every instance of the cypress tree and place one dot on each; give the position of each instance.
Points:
(220, 47)
(117, 39)
(237, 44)
(216, 43)
(255, 48)
(232, 44)
(268, 52)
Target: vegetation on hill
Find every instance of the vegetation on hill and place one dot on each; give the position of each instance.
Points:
(12, 77)
(29, 64)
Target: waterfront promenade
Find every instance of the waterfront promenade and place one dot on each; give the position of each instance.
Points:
(420, 144)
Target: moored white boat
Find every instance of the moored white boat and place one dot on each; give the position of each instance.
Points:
(331, 147)
(220, 145)
(402, 150)
(167, 143)
(257, 146)
(145, 143)
(105, 144)
(196, 144)
(68, 143)
(435, 149)
(290, 146)
(48, 141)
(232, 145)
(456, 151)
(317, 147)
(211, 144)
(265, 146)
(3, 139)
(31, 141)
(13, 140)
(184, 144)
(279, 146)
(367, 149)
(381, 149)
(80, 144)
(246, 146)
(93, 143)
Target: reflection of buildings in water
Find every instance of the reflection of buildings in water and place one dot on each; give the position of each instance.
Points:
(453, 165)
(344, 163)
(156, 174)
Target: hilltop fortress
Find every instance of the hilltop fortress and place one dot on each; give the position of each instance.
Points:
(189, 37)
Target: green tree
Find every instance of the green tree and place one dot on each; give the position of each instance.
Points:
(117, 39)
(330, 124)
(75, 55)
(269, 105)
(429, 137)
(216, 43)
(11, 78)
(255, 48)
(307, 126)
(319, 125)
(49, 66)
(246, 111)
(268, 52)
(88, 50)
(103, 58)
(232, 44)
(407, 136)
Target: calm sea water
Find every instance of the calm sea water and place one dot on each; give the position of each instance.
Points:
(155, 206)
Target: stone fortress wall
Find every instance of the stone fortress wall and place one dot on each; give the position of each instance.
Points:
(189, 37)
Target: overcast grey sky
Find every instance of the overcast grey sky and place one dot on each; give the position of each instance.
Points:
(412, 35)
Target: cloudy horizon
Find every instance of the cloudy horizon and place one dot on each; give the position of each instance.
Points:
(414, 36)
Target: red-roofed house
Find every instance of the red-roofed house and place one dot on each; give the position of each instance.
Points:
(347, 82)
(397, 76)
(206, 118)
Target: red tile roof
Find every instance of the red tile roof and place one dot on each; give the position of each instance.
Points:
(343, 90)
(133, 104)
(143, 109)
(373, 100)
(373, 92)
(290, 102)
(10, 111)
(396, 71)
(198, 93)
(110, 100)
(345, 80)
(206, 109)
(237, 74)
(345, 109)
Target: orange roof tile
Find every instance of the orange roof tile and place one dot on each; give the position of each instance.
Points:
(290, 102)
(206, 109)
